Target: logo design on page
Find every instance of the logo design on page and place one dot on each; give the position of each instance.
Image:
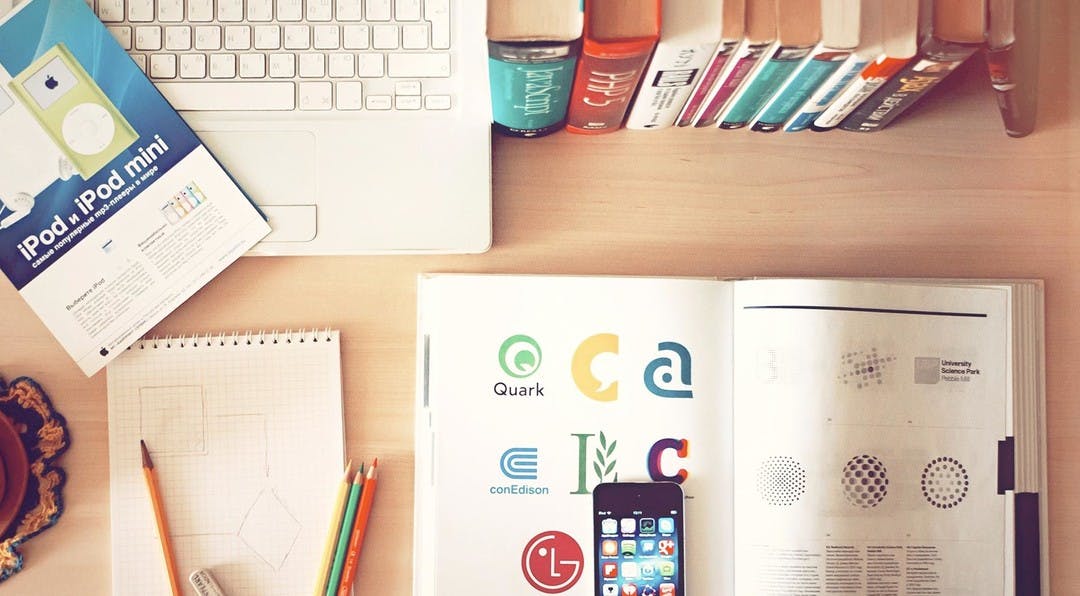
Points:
(519, 463)
(666, 387)
(520, 356)
(552, 562)
(596, 355)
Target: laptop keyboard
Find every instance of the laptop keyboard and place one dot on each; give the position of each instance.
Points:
(290, 55)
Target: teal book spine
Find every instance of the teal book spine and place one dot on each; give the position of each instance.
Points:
(773, 74)
(530, 85)
(813, 73)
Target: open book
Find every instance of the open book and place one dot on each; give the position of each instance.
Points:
(830, 436)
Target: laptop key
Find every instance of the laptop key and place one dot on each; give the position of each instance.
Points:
(418, 66)
(229, 95)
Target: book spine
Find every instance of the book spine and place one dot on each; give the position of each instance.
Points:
(870, 80)
(530, 85)
(706, 82)
(803, 83)
(742, 64)
(668, 83)
(902, 91)
(603, 88)
(768, 79)
(829, 91)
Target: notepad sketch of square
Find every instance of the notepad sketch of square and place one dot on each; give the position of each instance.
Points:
(175, 417)
(269, 529)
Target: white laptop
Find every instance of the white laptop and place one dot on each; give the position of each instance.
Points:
(358, 126)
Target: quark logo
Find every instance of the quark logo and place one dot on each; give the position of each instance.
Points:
(552, 562)
(596, 355)
(519, 463)
(519, 356)
(658, 374)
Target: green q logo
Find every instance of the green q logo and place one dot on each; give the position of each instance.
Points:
(519, 356)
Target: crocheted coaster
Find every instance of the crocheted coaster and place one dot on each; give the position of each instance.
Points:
(44, 435)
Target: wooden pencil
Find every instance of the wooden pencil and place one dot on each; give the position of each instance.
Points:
(335, 530)
(359, 527)
(159, 517)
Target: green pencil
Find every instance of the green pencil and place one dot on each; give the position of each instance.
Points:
(346, 531)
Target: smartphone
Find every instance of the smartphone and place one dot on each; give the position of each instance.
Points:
(638, 539)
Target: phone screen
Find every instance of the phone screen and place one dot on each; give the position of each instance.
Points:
(638, 539)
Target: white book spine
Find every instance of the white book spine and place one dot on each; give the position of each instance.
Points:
(672, 75)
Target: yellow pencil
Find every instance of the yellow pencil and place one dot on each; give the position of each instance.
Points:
(335, 529)
(159, 517)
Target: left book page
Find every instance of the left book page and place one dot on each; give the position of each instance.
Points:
(534, 389)
(113, 212)
(247, 439)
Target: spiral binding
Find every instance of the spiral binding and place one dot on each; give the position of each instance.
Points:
(236, 338)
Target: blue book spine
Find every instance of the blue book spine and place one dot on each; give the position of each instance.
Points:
(772, 76)
(825, 96)
(530, 85)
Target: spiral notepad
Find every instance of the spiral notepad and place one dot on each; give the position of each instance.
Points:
(247, 438)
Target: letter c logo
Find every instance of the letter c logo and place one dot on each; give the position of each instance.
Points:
(581, 367)
(681, 448)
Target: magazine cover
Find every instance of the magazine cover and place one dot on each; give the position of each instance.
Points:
(112, 212)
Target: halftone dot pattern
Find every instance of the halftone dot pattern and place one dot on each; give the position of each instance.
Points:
(863, 368)
(945, 482)
(865, 481)
(781, 480)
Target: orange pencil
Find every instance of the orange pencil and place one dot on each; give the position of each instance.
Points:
(159, 517)
(359, 526)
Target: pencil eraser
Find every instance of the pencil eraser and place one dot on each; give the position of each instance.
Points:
(204, 583)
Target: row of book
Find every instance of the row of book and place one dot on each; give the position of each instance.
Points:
(595, 66)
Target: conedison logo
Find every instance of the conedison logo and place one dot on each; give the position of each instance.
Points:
(519, 356)
(519, 463)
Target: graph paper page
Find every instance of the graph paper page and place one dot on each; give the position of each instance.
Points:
(246, 437)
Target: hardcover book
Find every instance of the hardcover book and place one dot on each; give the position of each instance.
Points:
(957, 32)
(533, 49)
(112, 212)
(830, 436)
(798, 30)
(899, 43)
(619, 38)
(733, 19)
(688, 39)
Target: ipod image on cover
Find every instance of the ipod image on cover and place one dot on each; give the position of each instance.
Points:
(75, 112)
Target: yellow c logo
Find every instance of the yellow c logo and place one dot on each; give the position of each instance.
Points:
(581, 367)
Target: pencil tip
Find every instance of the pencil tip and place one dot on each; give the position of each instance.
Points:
(375, 463)
(146, 461)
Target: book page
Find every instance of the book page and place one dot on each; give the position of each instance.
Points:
(538, 388)
(868, 417)
(247, 442)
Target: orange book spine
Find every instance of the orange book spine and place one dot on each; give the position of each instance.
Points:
(608, 73)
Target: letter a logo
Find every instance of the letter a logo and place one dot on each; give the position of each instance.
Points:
(663, 384)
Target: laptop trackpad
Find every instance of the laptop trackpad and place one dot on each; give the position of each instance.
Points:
(277, 170)
(273, 168)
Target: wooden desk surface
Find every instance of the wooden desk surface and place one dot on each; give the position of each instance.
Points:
(942, 193)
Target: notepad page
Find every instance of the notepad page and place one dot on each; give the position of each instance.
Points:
(246, 436)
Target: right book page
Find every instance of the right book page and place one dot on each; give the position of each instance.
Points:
(868, 418)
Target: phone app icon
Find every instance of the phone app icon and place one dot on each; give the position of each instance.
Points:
(628, 525)
(667, 589)
(667, 525)
(628, 548)
(667, 568)
(609, 548)
(611, 590)
(666, 548)
(629, 590)
(608, 526)
(648, 569)
(647, 525)
(648, 591)
(609, 570)
(629, 569)
(647, 547)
